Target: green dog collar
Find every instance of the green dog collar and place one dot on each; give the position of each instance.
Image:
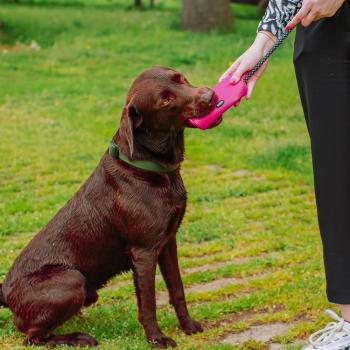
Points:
(141, 164)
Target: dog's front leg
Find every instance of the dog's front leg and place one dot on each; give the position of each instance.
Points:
(144, 266)
(169, 267)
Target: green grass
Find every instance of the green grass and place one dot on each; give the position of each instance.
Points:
(249, 180)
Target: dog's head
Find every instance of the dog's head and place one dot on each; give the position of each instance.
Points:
(160, 101)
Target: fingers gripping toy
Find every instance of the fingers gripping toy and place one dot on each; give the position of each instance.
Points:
(230, 94)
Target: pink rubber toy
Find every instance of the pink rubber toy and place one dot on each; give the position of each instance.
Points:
(229, 95)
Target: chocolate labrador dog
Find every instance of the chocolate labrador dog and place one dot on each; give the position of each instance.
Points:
(124, 217)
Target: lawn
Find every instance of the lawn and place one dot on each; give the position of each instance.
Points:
(249, 245)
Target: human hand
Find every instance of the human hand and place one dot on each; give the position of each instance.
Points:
(263, 42)
(313, 10)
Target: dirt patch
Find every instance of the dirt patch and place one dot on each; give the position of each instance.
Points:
(162, 297)
(214, 167)
(229, 319)
(277, 346)
(118, 284)
(240, 173)
(263, 333)
(217, 265)
(217, 284)
(200, 268)
(5, 48)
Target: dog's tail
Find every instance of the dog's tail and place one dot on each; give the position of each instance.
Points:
(2, 299)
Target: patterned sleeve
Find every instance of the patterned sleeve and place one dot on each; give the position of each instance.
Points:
(278, 14)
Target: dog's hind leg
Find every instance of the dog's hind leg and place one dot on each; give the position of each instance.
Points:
(47, 300)
(71, 339)
(91, 296)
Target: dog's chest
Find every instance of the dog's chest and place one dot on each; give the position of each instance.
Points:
(151, 214)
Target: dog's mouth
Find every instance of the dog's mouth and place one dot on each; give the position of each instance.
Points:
(202, 110)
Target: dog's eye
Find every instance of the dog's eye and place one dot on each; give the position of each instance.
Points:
(167, 95)
(178, 79)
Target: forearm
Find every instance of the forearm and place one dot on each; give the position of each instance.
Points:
(271, 28)
(264, 41)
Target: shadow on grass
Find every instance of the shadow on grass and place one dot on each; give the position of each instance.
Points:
(233, 132)
(288, 157)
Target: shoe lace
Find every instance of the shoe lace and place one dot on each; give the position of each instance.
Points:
(325, 335)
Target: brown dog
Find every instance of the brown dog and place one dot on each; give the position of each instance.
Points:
(123, 217)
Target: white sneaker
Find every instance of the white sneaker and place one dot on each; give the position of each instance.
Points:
(335, 336)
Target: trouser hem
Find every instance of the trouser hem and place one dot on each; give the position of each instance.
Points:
(335, 297)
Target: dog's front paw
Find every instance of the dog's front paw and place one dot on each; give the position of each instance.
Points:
(191, 326)
(162, 342)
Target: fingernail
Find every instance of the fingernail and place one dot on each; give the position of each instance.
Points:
(288, 27)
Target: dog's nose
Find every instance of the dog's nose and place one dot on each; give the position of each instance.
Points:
(207, 96)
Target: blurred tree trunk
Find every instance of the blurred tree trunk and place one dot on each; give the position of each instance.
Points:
(201, 15)
(138, 3)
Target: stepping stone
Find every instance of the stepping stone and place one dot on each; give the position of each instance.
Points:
(162, 297)
(241, 172)
(277, 346)
(201, 268)
(263, 333)
(216, 265)
(118, 284)
(214, 167)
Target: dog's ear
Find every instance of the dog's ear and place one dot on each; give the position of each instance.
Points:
(131, 119)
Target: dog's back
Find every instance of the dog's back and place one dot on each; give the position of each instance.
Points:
(83, 235)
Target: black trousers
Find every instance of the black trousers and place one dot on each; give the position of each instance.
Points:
(322, 64)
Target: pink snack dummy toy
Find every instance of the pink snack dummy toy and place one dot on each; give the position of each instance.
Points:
(230, 94)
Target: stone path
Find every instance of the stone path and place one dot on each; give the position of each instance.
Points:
(162, 297)
(216, 265)
(263, 333)
(195, 269)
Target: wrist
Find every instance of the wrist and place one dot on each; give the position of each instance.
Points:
(269, 35)
(265, 40)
